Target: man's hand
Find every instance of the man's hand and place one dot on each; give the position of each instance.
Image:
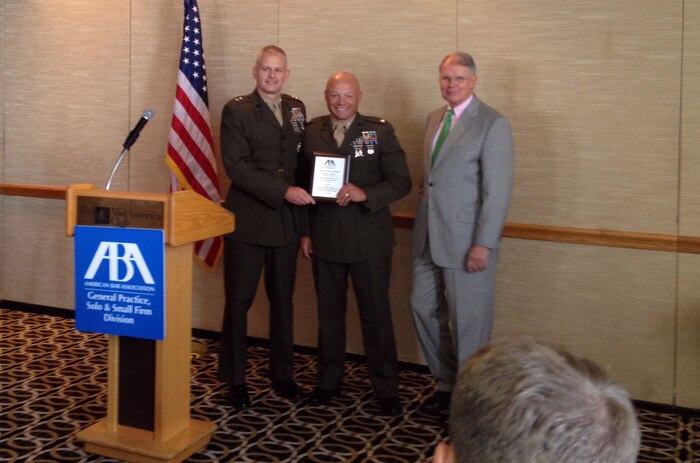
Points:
(350, 193)
(298, 196)
(478, 258)
(306, 247)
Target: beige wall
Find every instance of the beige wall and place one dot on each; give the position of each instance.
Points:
(689, 218)
(603, 96)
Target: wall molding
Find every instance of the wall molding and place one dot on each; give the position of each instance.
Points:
(33, 191)
(588, 236)
(523, 231)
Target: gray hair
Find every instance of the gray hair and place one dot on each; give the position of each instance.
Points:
(461, 58)
(526, 401)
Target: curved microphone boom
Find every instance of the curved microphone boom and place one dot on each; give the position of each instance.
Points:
(130, 139)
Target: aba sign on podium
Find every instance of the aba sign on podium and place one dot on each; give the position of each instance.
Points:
(119, 281)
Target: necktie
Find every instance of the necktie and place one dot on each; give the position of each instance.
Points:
(339, 134)
(277, 111)
(443, 134)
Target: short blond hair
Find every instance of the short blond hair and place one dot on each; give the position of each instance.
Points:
(272, 49)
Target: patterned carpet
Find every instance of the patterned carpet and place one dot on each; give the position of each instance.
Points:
(53, 384)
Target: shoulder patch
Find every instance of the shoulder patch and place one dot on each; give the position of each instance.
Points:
(242, 98)
(377, 120)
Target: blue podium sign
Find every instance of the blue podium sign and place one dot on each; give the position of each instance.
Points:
(119, 281)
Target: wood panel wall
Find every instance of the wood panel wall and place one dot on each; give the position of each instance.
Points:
(603, 97)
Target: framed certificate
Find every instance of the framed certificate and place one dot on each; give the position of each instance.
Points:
(329, 172)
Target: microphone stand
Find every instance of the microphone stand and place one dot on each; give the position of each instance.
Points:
(133, 135)
(122, 155)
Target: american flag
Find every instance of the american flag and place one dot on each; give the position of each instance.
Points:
(190, 146)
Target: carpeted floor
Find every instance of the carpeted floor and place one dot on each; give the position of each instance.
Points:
(53, 384)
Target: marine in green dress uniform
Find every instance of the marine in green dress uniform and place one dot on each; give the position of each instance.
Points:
(352, 237)
(261, 137)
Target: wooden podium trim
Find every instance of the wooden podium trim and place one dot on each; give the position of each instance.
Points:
(187, 216)
(139, 446)
(195, 218)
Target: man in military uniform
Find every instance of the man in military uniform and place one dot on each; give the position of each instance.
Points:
(352, 236)
(261, 136)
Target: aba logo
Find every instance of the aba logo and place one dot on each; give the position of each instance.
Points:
(127, 254)
(329, 163)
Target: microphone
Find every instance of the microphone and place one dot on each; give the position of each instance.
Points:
(134, 134)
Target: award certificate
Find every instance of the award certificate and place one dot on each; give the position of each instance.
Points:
(329, 172)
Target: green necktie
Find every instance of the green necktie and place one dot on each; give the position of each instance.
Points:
(443, 135)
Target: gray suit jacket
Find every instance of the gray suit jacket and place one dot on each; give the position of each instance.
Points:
(465, 195)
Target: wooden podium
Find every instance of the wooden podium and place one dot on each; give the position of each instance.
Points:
(148, 398)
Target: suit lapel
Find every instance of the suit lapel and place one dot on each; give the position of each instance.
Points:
(460, 129)
(353, 131)
(327, 133)
(432, 125)
(286, 114)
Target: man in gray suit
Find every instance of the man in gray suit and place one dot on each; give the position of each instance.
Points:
(465, 192)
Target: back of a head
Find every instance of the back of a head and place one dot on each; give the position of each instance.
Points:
(524, 401)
